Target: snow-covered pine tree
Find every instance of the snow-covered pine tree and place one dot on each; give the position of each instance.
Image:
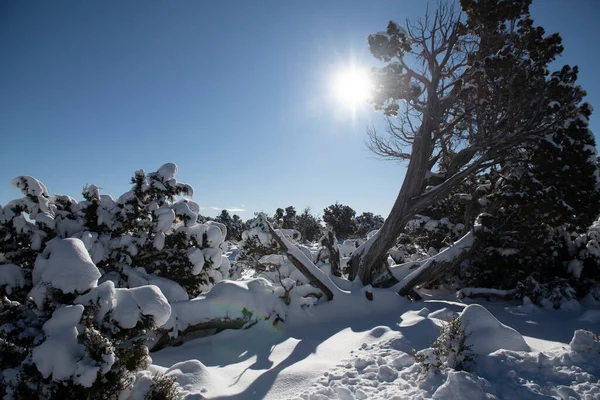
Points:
(150, 230)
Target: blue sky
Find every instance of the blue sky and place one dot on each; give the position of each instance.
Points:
(236, 93)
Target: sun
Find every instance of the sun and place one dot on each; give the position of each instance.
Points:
(352, 86)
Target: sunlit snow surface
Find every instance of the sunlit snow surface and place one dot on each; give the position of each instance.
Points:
(355, 349)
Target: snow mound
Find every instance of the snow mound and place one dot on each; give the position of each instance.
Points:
(487, 334)
(462, 385)
(585, 342)
(194, 378)
(66, 265)
(254, 299)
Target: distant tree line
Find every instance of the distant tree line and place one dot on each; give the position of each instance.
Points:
(342, 219)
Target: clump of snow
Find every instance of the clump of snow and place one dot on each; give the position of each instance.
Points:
(29, 186)
(170, 289)
(127, 306)
(196, 257)
(167, 171)
(462, 385)
(487, 334)
(57, 356)
(66, 265)
(141, 386)
(574, 268)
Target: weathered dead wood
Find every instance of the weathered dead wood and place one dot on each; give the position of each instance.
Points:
(330, 243)
(433, 268)
(488, 294)
(304, 269)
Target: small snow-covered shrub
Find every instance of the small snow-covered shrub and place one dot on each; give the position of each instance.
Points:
(163, 388)
(449, 350)
(554, 294)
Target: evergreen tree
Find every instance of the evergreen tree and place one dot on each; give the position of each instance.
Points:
(367, 222)
(289, 219)
(341, 219)
(308, 225)
(464, 93)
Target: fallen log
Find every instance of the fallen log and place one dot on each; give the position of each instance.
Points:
(422, 272)
(304, 265)
(163, 337)
(485, 293)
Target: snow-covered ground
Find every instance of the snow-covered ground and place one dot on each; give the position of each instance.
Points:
(351, 348)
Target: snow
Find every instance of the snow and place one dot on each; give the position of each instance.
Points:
(469, 292)
(167, 172)
(584, 342)
(171, 290)
(66, 265)
(487, 334)
(127, 306)
(575, 267)
(193, 377)
(29, 186)
(165, 216)
(58, 354)
(351, 348)
(256, 299)
(196, 257)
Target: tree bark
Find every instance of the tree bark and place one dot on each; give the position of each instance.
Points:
(330, 243)
(369, 258)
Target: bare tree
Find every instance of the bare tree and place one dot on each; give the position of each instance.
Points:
(461, 92)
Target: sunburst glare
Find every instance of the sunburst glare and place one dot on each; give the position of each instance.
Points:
(352, 86)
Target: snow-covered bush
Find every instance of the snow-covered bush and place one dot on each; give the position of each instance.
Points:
(449, 350)
(146, 228)
(73, 338)
(554, 294)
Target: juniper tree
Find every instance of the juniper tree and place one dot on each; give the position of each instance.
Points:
(462, 92)
(340, 218)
